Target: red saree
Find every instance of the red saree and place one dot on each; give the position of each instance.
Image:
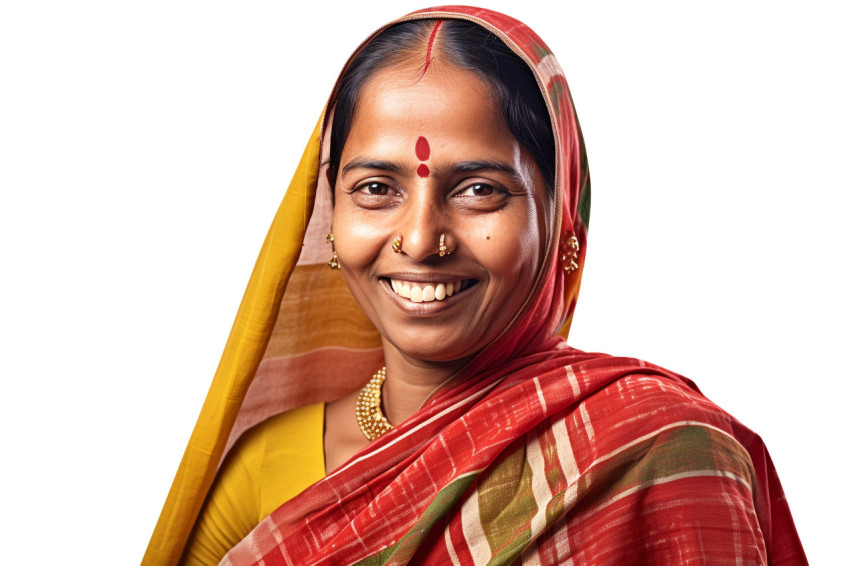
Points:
(533, 453)
(559, 457)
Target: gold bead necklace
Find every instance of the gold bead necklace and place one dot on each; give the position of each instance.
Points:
(372, 421)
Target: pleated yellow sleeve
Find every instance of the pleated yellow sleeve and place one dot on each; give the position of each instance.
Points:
(268, 466)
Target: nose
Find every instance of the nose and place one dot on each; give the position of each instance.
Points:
(421, 226)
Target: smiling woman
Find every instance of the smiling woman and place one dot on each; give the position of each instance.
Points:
(450, 177)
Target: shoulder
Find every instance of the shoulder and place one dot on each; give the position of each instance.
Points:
(676, 462)
(630, 390)
(636, 409)
(285, 447)
(671, 460)
(288, 422)
(611, 400)
(269, 464)
(295, 431)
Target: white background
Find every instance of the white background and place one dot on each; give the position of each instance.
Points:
(144, 148)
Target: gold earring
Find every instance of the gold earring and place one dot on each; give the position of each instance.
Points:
(569, 251)
(444, 251)
(334, 262)
(397, 244)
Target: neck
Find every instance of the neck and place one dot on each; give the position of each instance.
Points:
(410, 381)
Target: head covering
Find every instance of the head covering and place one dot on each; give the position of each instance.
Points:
(426, 488)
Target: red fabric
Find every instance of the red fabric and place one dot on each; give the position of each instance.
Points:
(634, 466)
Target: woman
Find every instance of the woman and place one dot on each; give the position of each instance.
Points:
(454, 191)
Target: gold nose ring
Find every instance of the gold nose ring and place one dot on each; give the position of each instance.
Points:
(397, 244)
(444, 251)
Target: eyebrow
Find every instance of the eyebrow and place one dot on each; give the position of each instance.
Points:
(473, 166)
(363, 163)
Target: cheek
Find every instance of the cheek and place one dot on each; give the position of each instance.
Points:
(510, 248)
(520, 263)
(358, 239)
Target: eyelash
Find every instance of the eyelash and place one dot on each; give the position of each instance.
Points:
(493, 188)
(364, 188)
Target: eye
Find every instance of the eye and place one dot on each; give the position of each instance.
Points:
(375, 194)
(480, 190)
(480, 196)
(374, 188)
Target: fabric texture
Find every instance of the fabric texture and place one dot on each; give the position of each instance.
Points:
(269, 465)
(534, 452)
(570, 458)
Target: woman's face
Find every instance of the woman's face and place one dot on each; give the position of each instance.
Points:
(425, 158)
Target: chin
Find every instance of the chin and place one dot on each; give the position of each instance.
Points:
(433, 350)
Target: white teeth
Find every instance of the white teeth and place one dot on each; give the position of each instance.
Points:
(440, 292)
(427, 292)
(416, 294)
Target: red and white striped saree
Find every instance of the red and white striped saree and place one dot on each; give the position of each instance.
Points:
(558, 457)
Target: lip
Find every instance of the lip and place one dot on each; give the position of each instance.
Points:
(430, 308)
(429, 277)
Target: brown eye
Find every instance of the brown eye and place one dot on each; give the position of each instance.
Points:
(481, 190)
(377, 189)
(478, 190)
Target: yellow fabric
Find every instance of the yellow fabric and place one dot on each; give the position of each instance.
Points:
(242, 354)
(269, 465)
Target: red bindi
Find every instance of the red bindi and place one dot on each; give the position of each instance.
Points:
(423, 152)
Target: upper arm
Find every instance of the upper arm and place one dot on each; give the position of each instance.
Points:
(231, 508)
(692, 500)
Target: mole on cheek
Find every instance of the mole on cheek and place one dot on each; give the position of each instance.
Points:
(423, 152)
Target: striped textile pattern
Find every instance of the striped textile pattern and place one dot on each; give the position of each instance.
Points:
(573, 458)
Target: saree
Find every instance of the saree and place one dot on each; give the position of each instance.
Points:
(534, 452)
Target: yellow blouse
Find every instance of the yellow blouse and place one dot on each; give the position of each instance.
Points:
(272, 463)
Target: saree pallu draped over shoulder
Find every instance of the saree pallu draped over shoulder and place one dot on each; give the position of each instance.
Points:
(562, 458)
(534, 453)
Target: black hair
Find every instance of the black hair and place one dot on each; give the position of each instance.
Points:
(469, 47)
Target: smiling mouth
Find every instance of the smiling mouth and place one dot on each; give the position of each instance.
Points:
(424, 292)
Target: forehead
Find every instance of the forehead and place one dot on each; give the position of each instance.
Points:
(448, 106)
